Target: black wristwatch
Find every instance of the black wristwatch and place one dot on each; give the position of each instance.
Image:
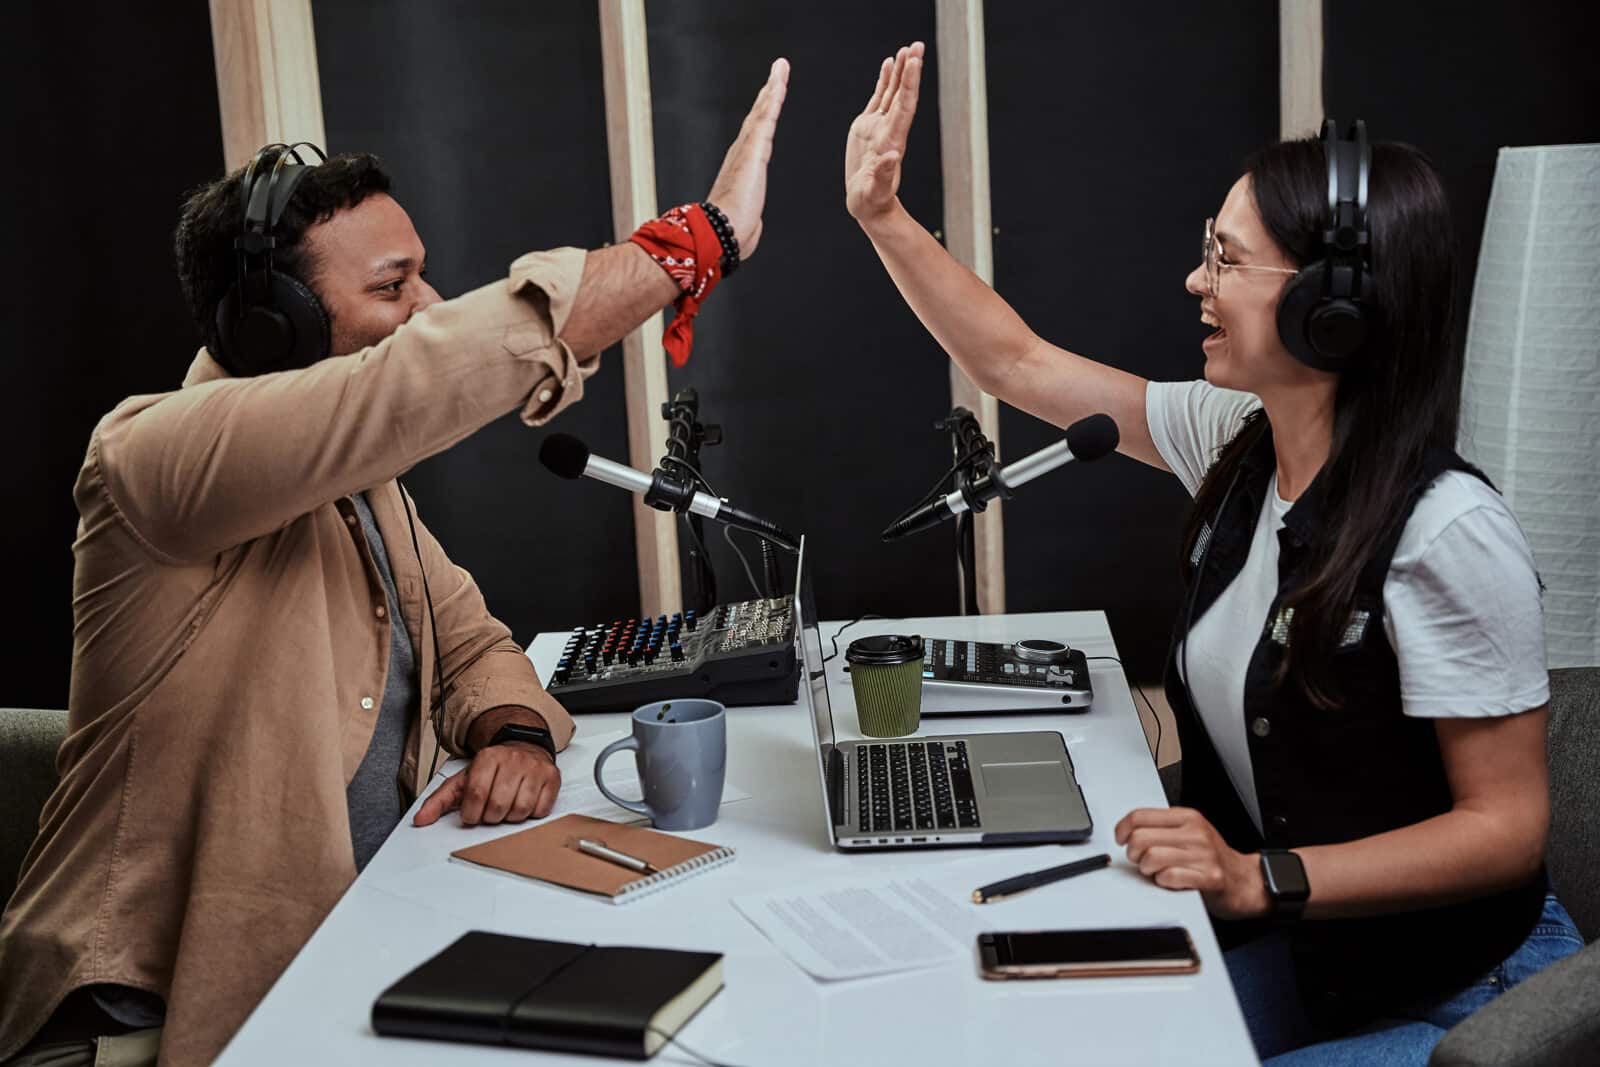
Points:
(1286, 882)
(533, 735)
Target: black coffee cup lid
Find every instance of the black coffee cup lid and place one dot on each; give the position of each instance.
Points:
(884, 650)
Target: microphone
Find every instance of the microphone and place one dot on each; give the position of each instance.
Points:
(568, 457)
(1087, 440)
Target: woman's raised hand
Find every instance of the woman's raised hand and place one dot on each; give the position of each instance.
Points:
(877, 141)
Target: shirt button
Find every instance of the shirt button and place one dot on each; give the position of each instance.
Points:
(1280, 822)
(366, 703)
(380, 611)
(1260, 726)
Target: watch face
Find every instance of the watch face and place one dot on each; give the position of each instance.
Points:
(1286, 876)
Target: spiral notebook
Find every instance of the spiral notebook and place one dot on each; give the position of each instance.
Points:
(549, 853)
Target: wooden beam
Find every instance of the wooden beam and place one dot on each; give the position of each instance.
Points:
(964, 138)
(631, 144)
(1299, 67)
(266, 55)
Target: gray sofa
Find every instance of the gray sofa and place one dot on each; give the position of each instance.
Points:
(1553, 1019)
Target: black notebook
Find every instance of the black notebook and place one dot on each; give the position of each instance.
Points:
(610, 1000)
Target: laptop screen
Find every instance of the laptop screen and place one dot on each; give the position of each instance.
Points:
(814, 689)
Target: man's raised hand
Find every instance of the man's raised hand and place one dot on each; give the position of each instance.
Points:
(741, 186)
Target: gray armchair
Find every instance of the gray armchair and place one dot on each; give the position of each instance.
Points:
(28, 742)
(1553, 1019)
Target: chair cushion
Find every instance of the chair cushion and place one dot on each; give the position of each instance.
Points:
(1547, 1021)
(1573, 850)
(29, 738)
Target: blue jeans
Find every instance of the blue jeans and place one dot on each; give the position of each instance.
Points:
(1263, 979)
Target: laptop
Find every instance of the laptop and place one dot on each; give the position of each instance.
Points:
(937, 791)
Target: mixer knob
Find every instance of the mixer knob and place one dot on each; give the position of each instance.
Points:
(677, 652)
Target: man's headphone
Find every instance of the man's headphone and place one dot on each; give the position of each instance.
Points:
(269, 321)
(1325, 315)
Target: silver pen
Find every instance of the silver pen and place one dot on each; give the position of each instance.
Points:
(621, 859)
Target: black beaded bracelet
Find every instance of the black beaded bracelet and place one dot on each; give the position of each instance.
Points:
(724, 231)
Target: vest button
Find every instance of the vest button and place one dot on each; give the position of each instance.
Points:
(1261, 726)
(1279, 822)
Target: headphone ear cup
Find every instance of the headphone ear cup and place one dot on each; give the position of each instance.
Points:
(288, 331)
(1338, 331)
(1295, 309)
(311, 331)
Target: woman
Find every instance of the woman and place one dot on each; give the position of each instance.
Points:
(1363, 728)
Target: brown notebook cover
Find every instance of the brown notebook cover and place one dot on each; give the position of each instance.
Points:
(549, 853)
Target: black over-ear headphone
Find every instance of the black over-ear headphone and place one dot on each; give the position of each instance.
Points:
(269, 321)
(1325, 315)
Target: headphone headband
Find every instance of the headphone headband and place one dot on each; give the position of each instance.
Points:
(269, 321)
(1324, 313)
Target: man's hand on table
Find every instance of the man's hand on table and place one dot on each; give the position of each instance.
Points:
(508, 782)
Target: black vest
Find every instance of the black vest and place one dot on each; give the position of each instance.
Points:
(1325, 777)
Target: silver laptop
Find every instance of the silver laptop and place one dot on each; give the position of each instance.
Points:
(937, 791)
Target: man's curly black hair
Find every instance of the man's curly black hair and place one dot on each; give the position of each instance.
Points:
(213, 214)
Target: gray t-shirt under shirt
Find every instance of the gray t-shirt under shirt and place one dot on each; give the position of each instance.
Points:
(373, 795)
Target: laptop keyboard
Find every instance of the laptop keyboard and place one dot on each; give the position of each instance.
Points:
(915, 785)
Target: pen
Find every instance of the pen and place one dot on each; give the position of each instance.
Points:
(1032, 880)
(621, 859)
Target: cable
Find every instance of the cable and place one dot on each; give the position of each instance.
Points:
(435, 711)
(846, 626)
(709, 574)
(727, 535)
(674, 1041)
(970, 455)
(1155, 753)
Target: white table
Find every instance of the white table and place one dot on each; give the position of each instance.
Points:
(410, 902)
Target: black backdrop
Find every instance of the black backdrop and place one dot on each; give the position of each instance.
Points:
(1112, 134)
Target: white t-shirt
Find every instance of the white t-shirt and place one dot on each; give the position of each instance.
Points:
(1461, 601)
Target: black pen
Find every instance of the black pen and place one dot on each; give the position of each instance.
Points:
(1032, 880)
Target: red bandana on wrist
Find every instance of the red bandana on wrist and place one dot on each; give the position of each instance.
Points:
(684, 245)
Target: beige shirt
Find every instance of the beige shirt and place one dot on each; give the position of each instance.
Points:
(230, 647)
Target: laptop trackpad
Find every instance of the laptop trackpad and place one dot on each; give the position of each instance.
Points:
(1024, 779)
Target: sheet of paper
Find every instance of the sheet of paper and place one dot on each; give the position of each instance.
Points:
(854, 929)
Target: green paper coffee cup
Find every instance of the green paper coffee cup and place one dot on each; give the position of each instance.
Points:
(886, 674)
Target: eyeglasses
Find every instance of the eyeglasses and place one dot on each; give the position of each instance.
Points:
(1211, 256)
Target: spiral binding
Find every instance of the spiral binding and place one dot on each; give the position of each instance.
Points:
(663, 878)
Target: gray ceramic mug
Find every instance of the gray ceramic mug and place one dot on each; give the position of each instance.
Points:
(681, 748)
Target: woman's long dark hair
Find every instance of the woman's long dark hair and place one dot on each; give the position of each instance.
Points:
(1400, 400)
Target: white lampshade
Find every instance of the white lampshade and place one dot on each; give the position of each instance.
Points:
(1530, 408)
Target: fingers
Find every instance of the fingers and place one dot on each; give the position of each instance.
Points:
(903, 108)
(881, 91)
(502, 794)
(1158, 858)
(526, 801)
(547, 795)
(1182, 878)
(446, 798)
(1151, 817)
(894, 78)
(480, 778)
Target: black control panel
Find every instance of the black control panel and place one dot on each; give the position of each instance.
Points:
(740, 653)
(972, 677)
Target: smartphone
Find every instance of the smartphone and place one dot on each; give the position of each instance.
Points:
(1088, 953)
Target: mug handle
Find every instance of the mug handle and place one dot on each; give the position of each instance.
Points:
(639, 807)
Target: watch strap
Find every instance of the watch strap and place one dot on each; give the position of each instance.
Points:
(533, 735)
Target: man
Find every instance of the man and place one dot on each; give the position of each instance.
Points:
(257, 613)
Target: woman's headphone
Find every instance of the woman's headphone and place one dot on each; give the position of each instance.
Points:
(1325, 316)
(269, 321)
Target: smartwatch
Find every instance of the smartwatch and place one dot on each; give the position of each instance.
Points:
(1286, 882)
(533, 735)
